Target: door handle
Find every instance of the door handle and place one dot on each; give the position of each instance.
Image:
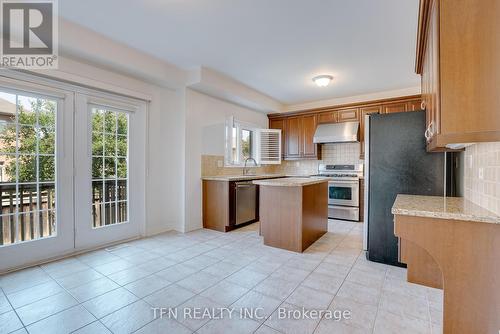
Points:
(427, 135)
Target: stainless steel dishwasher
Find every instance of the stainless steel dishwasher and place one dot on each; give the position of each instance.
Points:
(246, 202)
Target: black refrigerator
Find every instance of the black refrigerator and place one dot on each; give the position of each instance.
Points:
(396, 162)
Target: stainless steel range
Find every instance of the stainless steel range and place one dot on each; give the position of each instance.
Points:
(343, 190)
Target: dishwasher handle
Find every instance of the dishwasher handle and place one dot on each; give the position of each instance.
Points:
(244, 185)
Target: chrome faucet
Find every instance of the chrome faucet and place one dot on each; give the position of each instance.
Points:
(246, 170)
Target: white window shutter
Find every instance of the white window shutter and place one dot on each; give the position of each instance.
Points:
(269, 146)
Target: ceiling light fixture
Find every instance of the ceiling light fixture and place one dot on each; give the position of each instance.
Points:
(322, 80)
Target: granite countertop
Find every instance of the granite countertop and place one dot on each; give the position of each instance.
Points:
(241, 177)
(291, 181)
(454, 208)
(249, 177)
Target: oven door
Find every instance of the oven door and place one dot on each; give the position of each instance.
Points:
(343, 193)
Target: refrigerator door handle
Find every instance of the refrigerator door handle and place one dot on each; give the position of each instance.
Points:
(367, 182)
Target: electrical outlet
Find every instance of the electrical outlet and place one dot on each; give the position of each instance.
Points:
(481, 173)
(219, 163)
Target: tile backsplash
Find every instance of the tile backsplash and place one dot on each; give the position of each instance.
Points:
(482, 175)
(210, 167)
(345, 153)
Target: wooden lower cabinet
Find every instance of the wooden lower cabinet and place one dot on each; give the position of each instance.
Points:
(462, 258)
(219, 205)
(422, 268)
(293, 217)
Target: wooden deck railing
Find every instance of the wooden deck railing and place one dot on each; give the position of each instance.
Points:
(105, 210)
(33, 222)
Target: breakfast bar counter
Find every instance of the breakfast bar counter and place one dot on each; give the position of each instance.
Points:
(453, 244)
(293, 211)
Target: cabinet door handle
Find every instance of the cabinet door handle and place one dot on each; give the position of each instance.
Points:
(431, 129)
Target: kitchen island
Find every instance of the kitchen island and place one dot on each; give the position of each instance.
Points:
(293, 211)
(453, 244)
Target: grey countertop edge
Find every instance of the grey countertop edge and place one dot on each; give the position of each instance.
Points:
(483, 217)
(228, 178)
(289, 182)
(245, 177)
(450, 216)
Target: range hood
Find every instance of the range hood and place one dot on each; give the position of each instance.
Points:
(336, 133)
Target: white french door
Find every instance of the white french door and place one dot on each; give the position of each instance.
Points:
(36, 179)
(72, 170)
(110, 186)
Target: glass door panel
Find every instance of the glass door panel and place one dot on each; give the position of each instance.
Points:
(108, 206)
(36, 194)
(27, 168)
(109, 167)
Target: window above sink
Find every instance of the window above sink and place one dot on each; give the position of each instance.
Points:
(246, 141)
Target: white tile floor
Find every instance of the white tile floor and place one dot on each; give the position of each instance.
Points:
(114, 290)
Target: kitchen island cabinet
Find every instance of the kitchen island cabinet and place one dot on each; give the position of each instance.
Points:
(452, 243)
(293, 212)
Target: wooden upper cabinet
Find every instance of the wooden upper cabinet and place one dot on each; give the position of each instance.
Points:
(458, 56)
(310, 150)
(280, 125)
(338, 116)
(347, 115)
(298, 128)
(394, 107)
(414, 105)
(430, 77)
(297, 136)
(362, 113)
(293, 146)
(327, 117)
(402, 106)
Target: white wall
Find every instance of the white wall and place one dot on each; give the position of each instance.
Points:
(204, 115)
(165, 188)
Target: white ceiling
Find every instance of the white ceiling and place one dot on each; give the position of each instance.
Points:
(273, 46)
